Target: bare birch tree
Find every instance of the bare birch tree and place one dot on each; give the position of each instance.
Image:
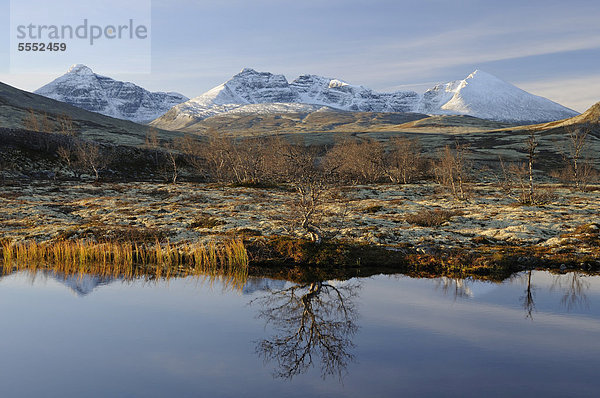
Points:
(66, 126)
(303, 170)
(91, 157)
(404, 162)
(452, 170)
(579, 168)
(31, 122)
(532, 145)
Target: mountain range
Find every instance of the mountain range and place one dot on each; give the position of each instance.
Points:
(83, 88)
(250, 92)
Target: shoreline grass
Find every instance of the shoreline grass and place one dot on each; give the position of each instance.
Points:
(128, 260)
(279, 257)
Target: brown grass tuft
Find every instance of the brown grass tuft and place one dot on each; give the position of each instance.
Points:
(432, 218)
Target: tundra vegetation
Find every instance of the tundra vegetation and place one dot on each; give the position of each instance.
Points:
(318, 185)
(578, 168)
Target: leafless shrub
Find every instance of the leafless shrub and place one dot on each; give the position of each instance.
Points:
(404, 162)
(514, 178)
(453, 170)
(68, 156)
(31, 122)
(357, 161)
(577, 168)
(66, 126)
(515, 183)
(194, 154)
(249, 161)
(159, 158)
(170, 167)
(587, 174)
(46, 125)
(91, 157)
(228, 159)
(532, 145)
(43, 124)
(152, 145)
(519, 177)
(218, 153)
(166, 157)
(81, 156)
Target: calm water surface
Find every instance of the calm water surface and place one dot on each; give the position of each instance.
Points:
(386, 336)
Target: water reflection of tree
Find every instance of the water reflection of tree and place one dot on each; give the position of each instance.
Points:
(455, 286)
(574, 287)
(527, 299)
(312, 321)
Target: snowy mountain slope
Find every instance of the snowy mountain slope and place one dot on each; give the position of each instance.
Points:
(271, 93)
(432, 101)
(276, 107)
(480, 95)
(338, 94)
(485, 96)
(81, 87)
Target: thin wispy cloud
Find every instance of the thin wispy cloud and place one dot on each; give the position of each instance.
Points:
(579, 92)
(385, 45)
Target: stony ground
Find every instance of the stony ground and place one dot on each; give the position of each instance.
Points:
(375, 214)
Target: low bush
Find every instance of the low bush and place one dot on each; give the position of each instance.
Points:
(432, 218)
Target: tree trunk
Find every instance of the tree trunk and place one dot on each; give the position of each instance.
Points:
(313, 232)
(531, 196)
(576, 173)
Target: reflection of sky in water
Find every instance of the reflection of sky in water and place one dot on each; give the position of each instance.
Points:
(187, 338)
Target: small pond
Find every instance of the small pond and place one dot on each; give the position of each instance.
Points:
(535, 334)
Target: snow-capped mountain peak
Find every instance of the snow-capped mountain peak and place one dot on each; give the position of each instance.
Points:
(80, 69)
(333, 83)
(486, 96)
(245, 88)
(83, 88)
(486, 81)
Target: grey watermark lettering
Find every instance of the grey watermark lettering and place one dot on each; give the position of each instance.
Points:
(85, 31)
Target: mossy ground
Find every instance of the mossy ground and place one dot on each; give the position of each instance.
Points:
(366, 227)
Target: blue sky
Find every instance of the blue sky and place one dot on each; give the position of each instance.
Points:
(550, 48)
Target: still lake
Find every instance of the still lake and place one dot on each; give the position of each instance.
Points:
(534, 334)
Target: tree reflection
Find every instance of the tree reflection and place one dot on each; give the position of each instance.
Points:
(455, 286)
(313, 322)
(528, 298)
(574, 287)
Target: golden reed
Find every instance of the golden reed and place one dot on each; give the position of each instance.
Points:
(129, 260)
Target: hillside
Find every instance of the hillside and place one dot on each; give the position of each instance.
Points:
(15, 104)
